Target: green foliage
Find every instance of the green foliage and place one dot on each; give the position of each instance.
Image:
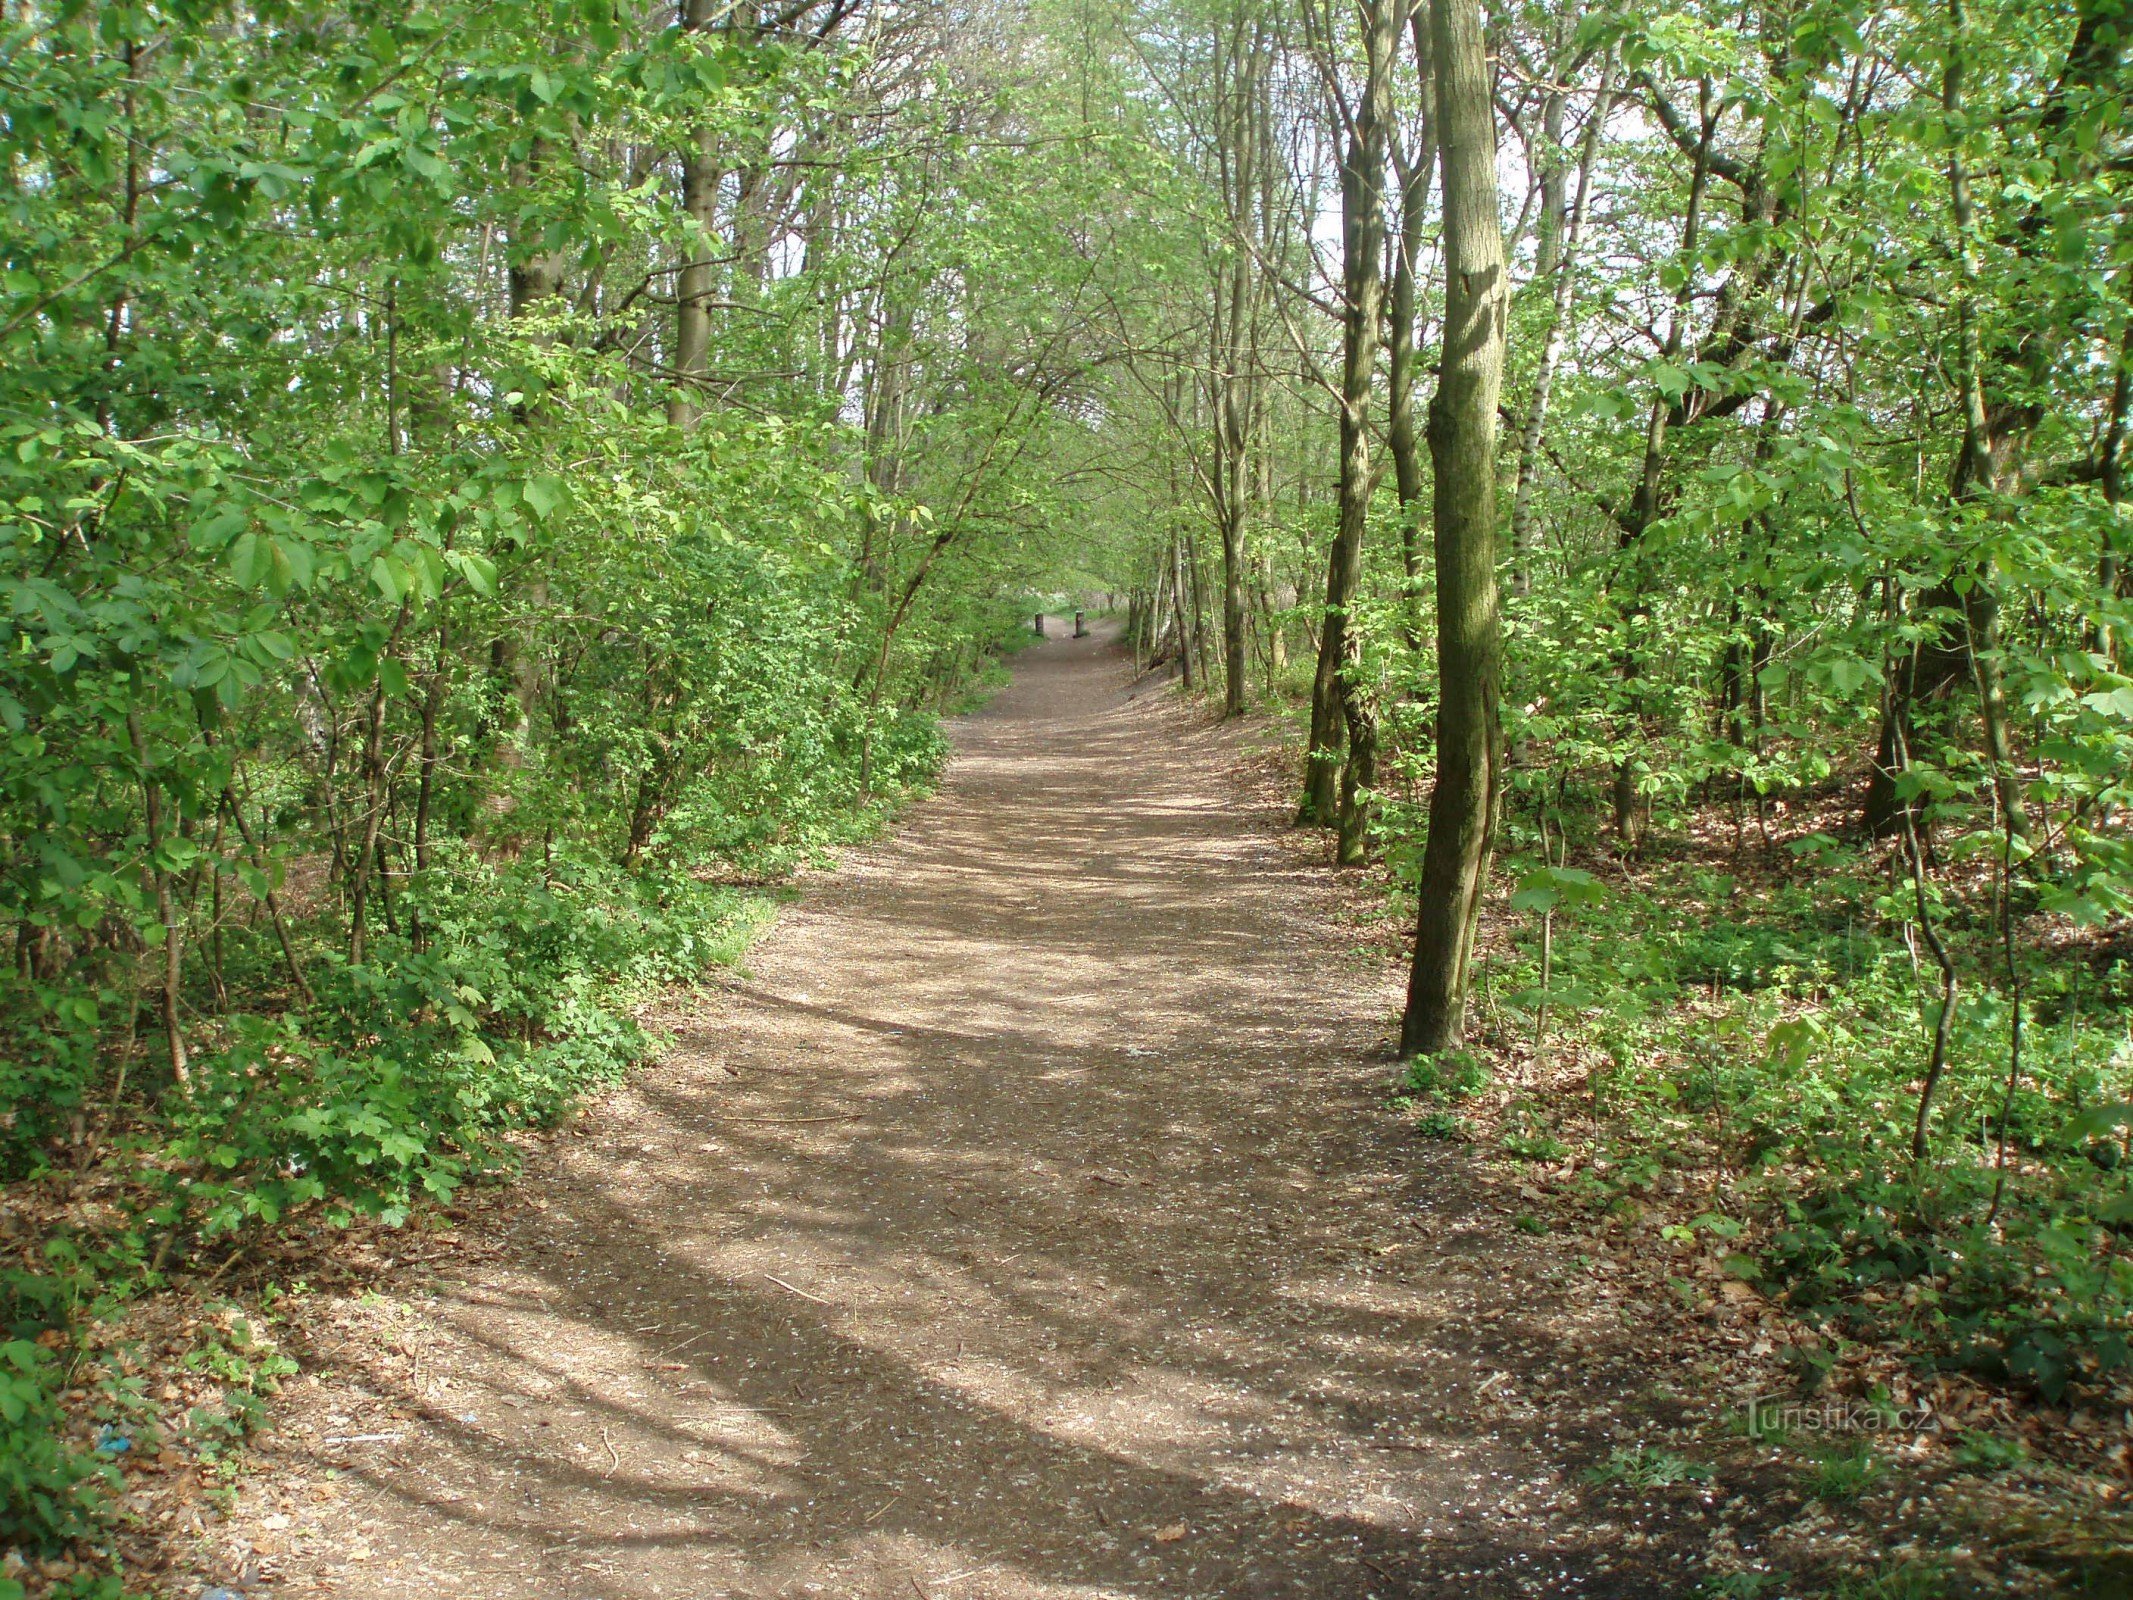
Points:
(1843, 1471)
(1989, 1452)
(1647, 1467)
(1455, 1075)
(1902, 1579)
(50, 1491)
(1442, 1125)
(1738, 1586)
(399, 679)
(246, 1371)
(1779, 1038)
(1546, 888)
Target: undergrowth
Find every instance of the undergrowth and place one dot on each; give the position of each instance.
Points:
(503, 994)
(1768, 1034)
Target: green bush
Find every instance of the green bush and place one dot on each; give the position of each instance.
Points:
(50, 1491)
(1784, 1040)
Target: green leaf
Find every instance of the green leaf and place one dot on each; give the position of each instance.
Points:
(2099, 1122)
(294, 564)
(216, 530)
(1545, 888)
(1848, 674)
(252, 560)
(478, 570)
(543, 493)
(1670, 380)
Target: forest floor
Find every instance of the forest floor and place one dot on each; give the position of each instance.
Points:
(1028, 1221)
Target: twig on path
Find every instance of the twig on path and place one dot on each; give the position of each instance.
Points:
(843, 1116)
(922, 1595)
(796, 1289)
(884, 1511)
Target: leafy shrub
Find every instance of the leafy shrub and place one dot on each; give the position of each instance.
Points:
(1454, 1075)
(50, 1492)
(1801, 1072)
(1648, 1467)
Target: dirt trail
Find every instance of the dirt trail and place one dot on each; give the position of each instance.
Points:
(1026, 1224)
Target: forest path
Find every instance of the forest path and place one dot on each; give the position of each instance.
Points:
(1026, 1224)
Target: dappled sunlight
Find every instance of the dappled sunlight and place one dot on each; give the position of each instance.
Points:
(1017, 1227)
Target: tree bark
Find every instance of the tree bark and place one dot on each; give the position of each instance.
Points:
(1237, 155)
(1415, 168)
(1563, 239)
(1362, 180)
(1463, 453)
(1986, 449)
(693, 288)
(1363, 295)
(166, 906)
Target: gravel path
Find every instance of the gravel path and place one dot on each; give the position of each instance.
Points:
(1026, 1223)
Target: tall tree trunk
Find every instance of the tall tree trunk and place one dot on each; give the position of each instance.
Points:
(693, 287)
(1177, 610)
(166, 906)
(1415, 168)
(2111, 567)
(1997, 419)
(1463, 451)
(1237, 155)
(1562, 268)
(1363, 291)
(533, 276)
(1986, 448)
(1651, 482)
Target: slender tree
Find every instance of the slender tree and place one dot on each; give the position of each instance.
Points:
(1463, 454)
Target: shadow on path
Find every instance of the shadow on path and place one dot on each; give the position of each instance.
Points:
(1026, 1224)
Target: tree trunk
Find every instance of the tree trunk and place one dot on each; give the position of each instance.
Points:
(693, 288)
(1416, 168)
(166, 906)
(1986, 449)
(1998, 417)
(1563, 294)
(533, 276)
(1645, 500)
(1363, 290)
(2111, 567)
(1463, 453)
(1236, 88)
(1177, 605)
